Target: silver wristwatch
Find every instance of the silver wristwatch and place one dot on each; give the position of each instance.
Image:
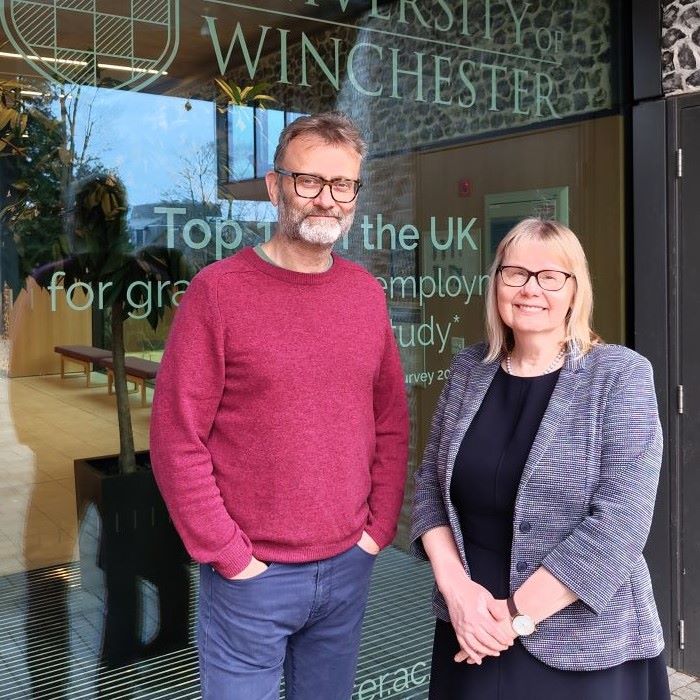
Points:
(522, 624)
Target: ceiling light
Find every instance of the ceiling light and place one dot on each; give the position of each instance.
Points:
(64, 61)
(72, 62)
(131, 69)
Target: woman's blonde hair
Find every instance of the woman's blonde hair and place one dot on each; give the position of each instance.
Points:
(580, 337)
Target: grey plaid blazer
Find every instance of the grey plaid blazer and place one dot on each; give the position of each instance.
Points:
(587, 495)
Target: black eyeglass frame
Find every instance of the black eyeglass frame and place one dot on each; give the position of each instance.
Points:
(324, 182)
(536, 275)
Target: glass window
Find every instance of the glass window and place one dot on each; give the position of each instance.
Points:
(268, 127)
(253, 136)
(242, 125)
(476, 115)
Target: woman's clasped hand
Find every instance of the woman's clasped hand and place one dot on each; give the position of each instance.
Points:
(481, 622)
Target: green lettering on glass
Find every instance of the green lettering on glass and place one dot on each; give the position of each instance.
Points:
(449, 15)
(221, 242)
(138, 294)
(101, 288)
(423, 335)
(266, 227)
(519, 76)
(425, 287)
(418, 74)
(468, 83)
(543, 97)
(464, 233)
(206, 234)
(89, 296)
(465, 18)
(54, 287)
(416, 12)
(333, 76)
(374, 11)
(170, 213)
(441, 80)
(352, 76)
(405, 239)
(493, 107)
(456, 235)
(518, 20)
(283, 56)
(487, 19)
(238, 36)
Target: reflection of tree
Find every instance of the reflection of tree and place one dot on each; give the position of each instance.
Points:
(196, 190)
(75, 154)
(196, 186)
(35, 183)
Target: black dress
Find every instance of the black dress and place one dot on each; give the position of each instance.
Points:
(484, 485)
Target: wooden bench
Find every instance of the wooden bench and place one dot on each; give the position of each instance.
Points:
(83, 355)
(137, 371)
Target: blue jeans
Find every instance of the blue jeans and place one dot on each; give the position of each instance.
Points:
(303, 619)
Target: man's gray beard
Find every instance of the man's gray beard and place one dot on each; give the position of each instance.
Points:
(296, 226)
(324, 233)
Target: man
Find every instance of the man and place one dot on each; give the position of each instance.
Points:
(279, 434)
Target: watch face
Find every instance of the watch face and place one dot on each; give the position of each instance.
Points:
(523, 625)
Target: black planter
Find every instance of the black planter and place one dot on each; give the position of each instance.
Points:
(131, 559)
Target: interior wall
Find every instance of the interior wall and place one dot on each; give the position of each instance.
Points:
(35, 329)
(587, 157)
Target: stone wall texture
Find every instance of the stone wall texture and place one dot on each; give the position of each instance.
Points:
(680, 46)
(578, 73)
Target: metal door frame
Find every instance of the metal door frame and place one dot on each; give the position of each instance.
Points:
(652, 332)
(675, 105)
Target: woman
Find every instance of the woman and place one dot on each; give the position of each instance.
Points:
(536, 492)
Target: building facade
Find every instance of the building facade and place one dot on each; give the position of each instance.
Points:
(477, 114)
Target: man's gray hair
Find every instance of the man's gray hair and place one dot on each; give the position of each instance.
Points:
(334, 128)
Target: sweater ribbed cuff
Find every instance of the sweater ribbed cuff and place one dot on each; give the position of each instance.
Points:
(380, 536)
(234, 558)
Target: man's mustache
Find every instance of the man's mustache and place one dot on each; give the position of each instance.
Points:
(321, 212)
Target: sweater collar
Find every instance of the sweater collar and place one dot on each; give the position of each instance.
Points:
(290, 276)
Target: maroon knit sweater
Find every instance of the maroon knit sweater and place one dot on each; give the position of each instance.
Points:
(279, 424)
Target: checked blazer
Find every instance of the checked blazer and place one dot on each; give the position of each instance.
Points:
(585, 501)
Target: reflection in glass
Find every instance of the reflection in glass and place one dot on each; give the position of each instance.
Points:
(448, 146)
(268, 126)
(242, 143)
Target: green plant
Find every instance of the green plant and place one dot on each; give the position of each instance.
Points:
(250, 96)
(30, 186)
(13, 119)
(36, 173)
(102, 256)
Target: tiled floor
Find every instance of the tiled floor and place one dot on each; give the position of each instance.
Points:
(683, 686)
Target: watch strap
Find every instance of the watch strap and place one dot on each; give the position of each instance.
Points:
(512, 608)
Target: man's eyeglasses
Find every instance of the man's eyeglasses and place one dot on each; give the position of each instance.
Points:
(308, 186)
(549, 280)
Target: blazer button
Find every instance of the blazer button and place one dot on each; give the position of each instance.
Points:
(521, 567)
(525, 526)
